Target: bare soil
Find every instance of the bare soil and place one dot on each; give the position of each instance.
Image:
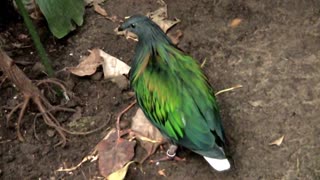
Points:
(274, 54)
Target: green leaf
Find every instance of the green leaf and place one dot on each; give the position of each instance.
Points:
(62, 15)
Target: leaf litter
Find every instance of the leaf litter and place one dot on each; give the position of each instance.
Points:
(114, 153)
(114, 156)
(149, 136)
(235, 22)
(160, 17)
(113, 68)
(97, 8)
(278, 141)
(88, 65)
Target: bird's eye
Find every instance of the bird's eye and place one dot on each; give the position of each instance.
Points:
(133, 25)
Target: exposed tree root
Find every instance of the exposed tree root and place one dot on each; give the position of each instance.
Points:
(2, 80)
(32, 93)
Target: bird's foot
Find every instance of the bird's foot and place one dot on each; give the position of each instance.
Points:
(171, 155)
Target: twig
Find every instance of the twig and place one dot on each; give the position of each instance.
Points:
(120, 114)
(229, 89)
(3, 79)
(12, 111)
(22, 111)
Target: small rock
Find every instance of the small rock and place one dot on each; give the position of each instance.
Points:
(77, 115)
(50, 133)
(38, 68)
(128, 95)
(124, 124)
(256, 103)
(97, 76)
(121, 81)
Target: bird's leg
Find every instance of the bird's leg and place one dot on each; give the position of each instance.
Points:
(171, 152)
(171, 155)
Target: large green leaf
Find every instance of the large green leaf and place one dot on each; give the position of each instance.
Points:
(62, 15)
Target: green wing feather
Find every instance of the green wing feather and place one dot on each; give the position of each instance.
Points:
(176, 97)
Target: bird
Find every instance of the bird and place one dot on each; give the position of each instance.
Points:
(174, 93)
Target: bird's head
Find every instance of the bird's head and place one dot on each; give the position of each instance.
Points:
(136, 24)
(142, 26)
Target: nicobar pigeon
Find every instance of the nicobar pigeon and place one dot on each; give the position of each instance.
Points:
(174, 93)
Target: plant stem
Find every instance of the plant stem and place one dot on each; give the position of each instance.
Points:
(36, 39)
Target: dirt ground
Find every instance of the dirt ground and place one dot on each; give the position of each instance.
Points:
(274, 54)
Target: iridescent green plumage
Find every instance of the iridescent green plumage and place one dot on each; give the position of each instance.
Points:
(173, 92)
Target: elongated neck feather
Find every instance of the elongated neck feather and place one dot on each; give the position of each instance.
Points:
(146, 48)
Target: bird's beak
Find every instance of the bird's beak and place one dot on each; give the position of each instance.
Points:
(121, 28)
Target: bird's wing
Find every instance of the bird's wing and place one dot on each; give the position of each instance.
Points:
(175, 95)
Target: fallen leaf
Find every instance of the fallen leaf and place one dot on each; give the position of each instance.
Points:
(148, 135)
(162, 173)
(160, 16)
(277, 142)
(89, 2)
(97, 8)
(121, 173)
(127, 34)
(176, 36)
(89, 65)
(235, 22)
(114, 153)
(112, 66)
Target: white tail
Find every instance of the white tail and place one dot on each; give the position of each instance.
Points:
(218, 164)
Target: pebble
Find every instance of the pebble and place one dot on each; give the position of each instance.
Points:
(50, 133)
(97, 76)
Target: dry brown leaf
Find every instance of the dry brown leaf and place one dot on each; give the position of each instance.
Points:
(176, 36)
(127, 34)
(147, 134)
(121, 173)
(162, 173)
(112, 66)
(278, 141)
(89, 65)
(90, 2)
(235, 22)
(97, 8)
(114, 153)
(160, 16)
